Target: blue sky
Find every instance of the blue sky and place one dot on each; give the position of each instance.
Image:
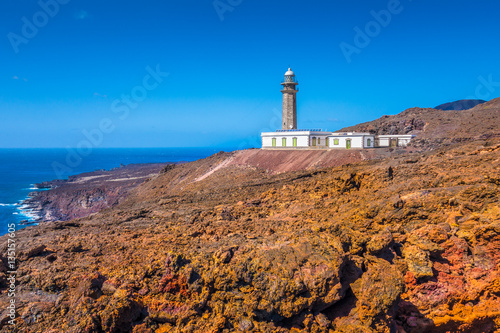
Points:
(75, 71)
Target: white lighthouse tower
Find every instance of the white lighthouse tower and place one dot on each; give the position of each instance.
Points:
(289, 101)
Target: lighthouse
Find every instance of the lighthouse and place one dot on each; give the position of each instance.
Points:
(289, 137)
(289, 101)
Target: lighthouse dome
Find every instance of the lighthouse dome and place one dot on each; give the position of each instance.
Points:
(289, 72)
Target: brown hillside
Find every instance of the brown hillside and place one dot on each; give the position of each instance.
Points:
(293, 160)
(493, 104)
(436, 127)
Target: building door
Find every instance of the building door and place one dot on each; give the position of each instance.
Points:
(294, 141)
(283, 142)
(369, 142)
(348, 144)
(314, 142)
(274, 142)
(327, 142)
(394, 143)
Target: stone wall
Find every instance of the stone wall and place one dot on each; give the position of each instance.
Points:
(289, 110)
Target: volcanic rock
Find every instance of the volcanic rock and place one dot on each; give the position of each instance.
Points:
(236, 242)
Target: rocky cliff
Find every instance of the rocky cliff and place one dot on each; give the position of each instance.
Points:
(87, 193)
(404, 243)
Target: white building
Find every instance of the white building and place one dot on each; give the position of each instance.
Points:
(394, 140)
(351, 140)
(295, 138)
(289, 137)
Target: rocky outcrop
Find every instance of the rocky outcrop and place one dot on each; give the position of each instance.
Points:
(352, 248)
(437, 128)
(87, 193)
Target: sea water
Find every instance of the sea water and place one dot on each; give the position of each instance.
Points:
(21, 169)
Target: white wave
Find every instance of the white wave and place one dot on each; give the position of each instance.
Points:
(7, 205)
(27, 212)
(29, 215)
(33, 187)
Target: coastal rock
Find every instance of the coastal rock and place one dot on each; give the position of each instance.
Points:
(378, 293)
(33, 252)
(380, 242)
(120, 312)
(418, 261)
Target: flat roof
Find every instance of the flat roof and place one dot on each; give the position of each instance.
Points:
(335, 134)
(396, 135)
(301, 130)
(291, 133)
(351, 134)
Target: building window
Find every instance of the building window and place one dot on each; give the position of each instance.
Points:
(314, 142)
(283, 142)
(348, 144)
(327, 142)
(336, 142)
(319, 141)
(369, 142)
(274, 142)
(294, 142)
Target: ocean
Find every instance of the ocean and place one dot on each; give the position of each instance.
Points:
(20, 169)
